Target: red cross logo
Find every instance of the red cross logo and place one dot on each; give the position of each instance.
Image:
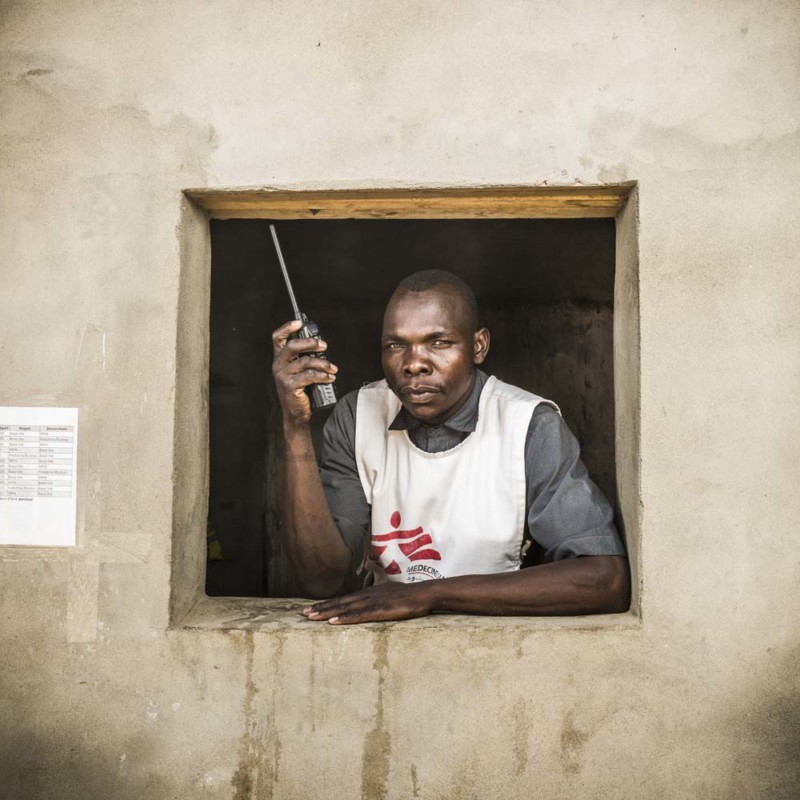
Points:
(410, 543)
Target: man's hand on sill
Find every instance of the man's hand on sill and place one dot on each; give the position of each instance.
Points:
(574, 586)
(382, 603)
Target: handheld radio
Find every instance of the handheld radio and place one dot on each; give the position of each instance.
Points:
(322, 395)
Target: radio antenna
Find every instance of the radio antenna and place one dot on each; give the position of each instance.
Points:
(297, 314)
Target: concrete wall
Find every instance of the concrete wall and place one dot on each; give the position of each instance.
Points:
(111, 109)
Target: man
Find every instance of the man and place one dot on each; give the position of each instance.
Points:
(447, 469)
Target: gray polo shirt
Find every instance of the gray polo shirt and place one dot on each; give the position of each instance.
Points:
(567, 515)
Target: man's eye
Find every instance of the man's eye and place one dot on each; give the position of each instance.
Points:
(393, 346)
(442, 343)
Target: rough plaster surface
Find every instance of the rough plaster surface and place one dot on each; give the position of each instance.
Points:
(111, 109)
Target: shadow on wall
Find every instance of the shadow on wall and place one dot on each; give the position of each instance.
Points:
(62, 762)
(52, 746)
(765, 726)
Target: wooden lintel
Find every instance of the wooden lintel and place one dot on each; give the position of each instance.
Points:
(567, 202)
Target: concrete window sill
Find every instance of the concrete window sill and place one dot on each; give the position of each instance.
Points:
(270, 614)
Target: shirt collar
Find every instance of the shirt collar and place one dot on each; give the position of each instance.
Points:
(465, 420)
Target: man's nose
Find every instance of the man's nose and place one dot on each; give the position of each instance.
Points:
(415, 362)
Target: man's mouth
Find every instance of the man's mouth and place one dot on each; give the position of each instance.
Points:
(419, 394)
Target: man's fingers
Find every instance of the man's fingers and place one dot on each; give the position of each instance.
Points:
(309, 345)
(309, 362)
(351, 614)
(369, 614)
(321, 616)
(326, 609)
(299, 381)
(333, 605)
(386, 602)
(296, 350)
(280, 336)
(356, 608)
(296, 364)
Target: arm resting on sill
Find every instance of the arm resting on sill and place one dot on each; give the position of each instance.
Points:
(574, 586)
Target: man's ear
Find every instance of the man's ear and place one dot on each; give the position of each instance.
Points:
(480, 345)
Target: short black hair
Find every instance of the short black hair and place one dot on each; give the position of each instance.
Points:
(429, 278)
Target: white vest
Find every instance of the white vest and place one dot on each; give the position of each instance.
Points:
(458, 512)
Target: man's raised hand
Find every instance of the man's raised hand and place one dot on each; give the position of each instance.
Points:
(294, 367)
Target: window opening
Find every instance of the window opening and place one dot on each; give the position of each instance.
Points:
(546, 289)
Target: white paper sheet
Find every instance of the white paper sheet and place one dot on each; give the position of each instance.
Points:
(38, 475)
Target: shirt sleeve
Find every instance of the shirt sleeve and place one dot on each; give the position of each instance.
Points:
(339, 474)
(567, 514)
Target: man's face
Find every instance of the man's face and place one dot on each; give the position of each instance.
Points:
(429, 349)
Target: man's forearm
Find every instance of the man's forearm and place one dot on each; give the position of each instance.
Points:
(588, 585)
(311, 540)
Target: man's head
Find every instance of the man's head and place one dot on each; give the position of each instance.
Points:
(431, 343)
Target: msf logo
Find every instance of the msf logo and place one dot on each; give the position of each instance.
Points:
(407, 547)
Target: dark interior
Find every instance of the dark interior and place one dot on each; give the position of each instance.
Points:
(546, 292)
